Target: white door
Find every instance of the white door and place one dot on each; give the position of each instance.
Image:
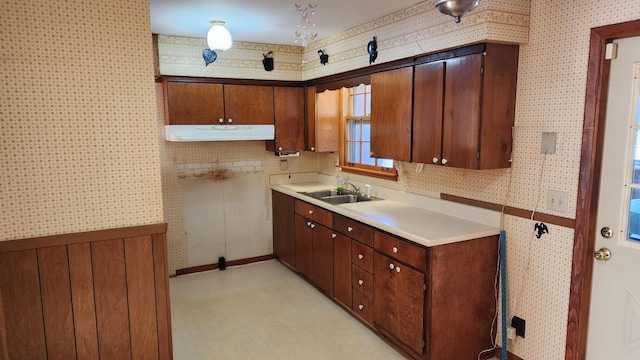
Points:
(614, 315)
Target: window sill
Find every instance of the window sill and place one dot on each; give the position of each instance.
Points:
(390, 175)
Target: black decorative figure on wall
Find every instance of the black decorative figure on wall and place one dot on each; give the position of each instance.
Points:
(209, 56)
(324, 57)
(267, 62)
(541, 228)
(372, 49)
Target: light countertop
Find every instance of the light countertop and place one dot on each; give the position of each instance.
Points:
(428, 225)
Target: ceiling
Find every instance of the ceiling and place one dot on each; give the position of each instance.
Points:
(268, 22)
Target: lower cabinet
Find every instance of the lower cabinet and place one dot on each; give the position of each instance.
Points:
(423, 299)
(398, 301)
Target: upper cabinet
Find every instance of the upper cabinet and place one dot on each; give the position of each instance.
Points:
(391, 100)
(323, 120)
(190, 103)
(464, 109)
(289, 119)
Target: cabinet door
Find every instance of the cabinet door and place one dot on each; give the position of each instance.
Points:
(461, 123)
(342, 269)
(391, 100)
(325, 121)
(398, 301)
(248, 104)
(193, 103)
(427, 113)
(289, 118)
(323, 258)
(304, 247)
(284, 241)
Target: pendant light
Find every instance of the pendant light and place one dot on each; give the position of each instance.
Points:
(456, 8)
(218, 37)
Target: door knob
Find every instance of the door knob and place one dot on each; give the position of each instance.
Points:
(603, 254)
(606, 232)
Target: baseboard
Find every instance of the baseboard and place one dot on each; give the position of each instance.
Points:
(510, 356)
(209, 267)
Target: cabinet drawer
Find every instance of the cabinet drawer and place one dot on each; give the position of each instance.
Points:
(314, 213)
(362, 255)
(363, 307)
(400, 250)
(362, 281)
(353, 229)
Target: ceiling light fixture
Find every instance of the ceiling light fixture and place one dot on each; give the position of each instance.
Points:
(218, 37)
(456, 8)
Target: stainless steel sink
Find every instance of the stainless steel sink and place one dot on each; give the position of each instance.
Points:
(335, 197)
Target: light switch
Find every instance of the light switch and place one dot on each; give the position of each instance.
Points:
(548, 143)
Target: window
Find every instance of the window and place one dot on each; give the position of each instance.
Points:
(357, 143)
(632, 187)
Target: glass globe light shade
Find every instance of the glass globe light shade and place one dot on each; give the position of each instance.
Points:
(218, 37)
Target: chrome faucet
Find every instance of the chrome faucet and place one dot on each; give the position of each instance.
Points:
(357, 189)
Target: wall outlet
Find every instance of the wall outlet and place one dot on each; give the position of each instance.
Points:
(511, 332)
(519, 325)
(557, 200)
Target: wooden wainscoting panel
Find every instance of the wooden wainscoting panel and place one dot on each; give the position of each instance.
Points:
(22, 306)
(163, 306)
(112, 312)
(55, 287)
(82, 294)
(141, 294)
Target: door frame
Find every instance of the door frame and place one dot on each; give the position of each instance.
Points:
(589, 183)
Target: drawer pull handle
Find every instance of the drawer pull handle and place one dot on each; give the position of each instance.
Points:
(220, 120)
(360, 306)
(313, 149)
(360, 282)
(313, 225)
(360, 256)
(333, 236)
(395, 250)
(391, 266)
(230, 120)
(397, 268)
(310, 212)
(349, 229)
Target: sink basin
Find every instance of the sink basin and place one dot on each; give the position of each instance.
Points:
(339, 197)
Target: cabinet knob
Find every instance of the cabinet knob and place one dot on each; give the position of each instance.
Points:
(360, 306)
(313, 148)
(397, 268)
(444, 161)
(333, 236)
(371, 154)
(310, 212)
(308, 223)
(279, 148)
(391, 266)
(395, 250)
(230, 121)
(360, 256)
(360, 282)
(349, 229)
(221, 120)
(435, 160)
(313, 225)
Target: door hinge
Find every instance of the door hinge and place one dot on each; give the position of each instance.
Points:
(482, 70)
(478, 155)
(424, 286)
(423, 344)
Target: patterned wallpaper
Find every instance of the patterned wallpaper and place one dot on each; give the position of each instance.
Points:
(77, 118)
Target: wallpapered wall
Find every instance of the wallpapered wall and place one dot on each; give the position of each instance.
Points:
(77, 117)
(554, 38)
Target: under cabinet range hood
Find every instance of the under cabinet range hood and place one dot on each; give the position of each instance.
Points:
(187, 133)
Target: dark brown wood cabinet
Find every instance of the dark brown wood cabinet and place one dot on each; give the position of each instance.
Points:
(284, 237)
(398, 298)
(206, 103)
(464, 109)
(314, 244)
(323, 120)
(417, 297)
(391, 107)
(193, 103)
(289, 120)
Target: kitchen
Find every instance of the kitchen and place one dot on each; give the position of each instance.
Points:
(63, 177)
